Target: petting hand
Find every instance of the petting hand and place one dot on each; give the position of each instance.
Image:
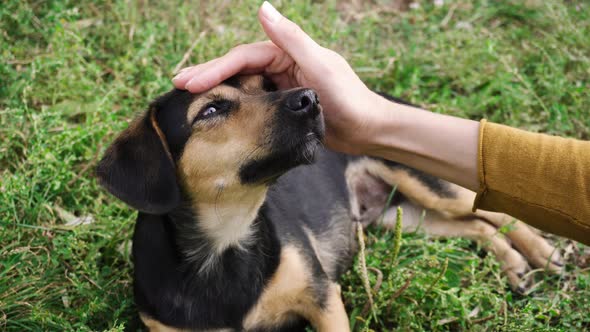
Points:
(292, 59)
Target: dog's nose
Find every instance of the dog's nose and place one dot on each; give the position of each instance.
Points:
(303, 102)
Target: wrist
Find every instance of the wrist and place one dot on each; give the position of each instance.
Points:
(436, 144)
(383, 121)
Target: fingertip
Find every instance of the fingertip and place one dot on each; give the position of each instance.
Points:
(178, 83)
(286, 34)
(182, 77)
(269, 13)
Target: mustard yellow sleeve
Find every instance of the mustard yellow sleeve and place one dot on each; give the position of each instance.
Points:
(540, 179)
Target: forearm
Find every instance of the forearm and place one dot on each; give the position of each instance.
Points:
(542, 180)
(437, 144)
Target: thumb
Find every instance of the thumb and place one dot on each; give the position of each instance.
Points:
(287, 35)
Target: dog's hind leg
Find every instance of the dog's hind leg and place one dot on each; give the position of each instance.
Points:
(448, 213)
(531, 244)
(455, 202)
(513, 264)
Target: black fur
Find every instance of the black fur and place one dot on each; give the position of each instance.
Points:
(168, 247)
(308, 195)
(268, 169)
(171, 116)
(176, 295)
(294, 138)
(268, 85)
(137, 169)
(233, 81)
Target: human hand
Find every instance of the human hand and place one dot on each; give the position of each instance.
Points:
(292, 59)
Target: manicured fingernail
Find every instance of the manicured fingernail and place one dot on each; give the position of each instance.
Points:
(270, 13)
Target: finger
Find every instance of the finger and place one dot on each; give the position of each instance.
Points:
(249, 58)
(186, 74)
(287, 35)
(181, 77)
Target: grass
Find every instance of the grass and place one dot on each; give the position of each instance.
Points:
(74, 72)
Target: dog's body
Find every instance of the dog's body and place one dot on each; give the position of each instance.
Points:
(233, 235)
(296, 260)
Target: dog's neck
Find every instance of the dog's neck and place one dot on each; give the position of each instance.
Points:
(208, 226)
(227, 220)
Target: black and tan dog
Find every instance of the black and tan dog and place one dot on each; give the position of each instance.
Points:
(232, 235)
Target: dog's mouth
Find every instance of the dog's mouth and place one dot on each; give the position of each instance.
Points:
(286, 153)
(303, 153)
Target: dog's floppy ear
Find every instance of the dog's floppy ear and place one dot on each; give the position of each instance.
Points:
(138, 168)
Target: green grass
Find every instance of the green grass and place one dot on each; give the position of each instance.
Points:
(73, 73)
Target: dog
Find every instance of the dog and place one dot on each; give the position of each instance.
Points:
(246, 221)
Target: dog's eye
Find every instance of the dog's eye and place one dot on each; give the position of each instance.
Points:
(209, 111)
(214, 109)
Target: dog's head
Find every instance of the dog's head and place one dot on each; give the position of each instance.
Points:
(241, 134)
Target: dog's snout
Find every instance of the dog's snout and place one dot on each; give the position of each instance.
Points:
(303, 102)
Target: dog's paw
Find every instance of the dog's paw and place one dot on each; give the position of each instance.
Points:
(545, 256)
(516, 269)
(521, 281)
(539, 252)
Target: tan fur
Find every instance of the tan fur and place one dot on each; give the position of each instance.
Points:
(333, 245)
(328, 258)
(333, 317)
(450, 217)
(213, 155)
(417, 191)
(526, 239)
(289, 293)
(287, 296)
(154, 122)
(251, 84)
(208, 171)
(155, 326)
(218, 147)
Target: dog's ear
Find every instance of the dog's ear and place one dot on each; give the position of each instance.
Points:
(138, 168)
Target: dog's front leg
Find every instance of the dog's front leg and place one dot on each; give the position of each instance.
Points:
(333, 316)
